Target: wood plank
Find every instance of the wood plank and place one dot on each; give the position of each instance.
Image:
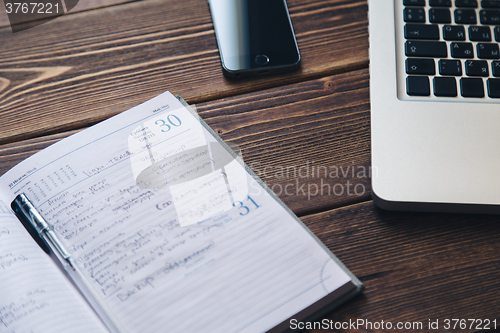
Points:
(85, 67)
(415, 266)
(290, 136)
(13, 153)
(310, 142)
(82, 5)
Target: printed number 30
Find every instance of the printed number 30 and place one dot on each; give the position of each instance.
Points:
(246, 210)
(172, 119)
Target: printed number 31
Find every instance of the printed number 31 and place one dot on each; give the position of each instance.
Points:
(246, 210)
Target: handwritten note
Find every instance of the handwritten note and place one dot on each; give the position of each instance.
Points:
(35, 295)
(171, 230)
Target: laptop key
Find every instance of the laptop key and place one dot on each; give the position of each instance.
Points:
(487, 51)
(445, 87)
(462, 50)
(414, 15)
(480, 34)
(494, 88)
(421, 31)
(471, 87)
(414, 2)
(418, 86)
(490, 4)
(440, 3)
(450, 67)
(439, 15)
(425, 49)
(495, 68)
(454, 32)
(476, 68)
(420, 66)
(489, 16)
(466, 3)
(465, 16)
(497, 34)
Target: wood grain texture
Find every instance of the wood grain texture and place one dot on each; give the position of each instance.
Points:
(85, 67)
(81, 6)
(13, 153)
(309, 141)
(82, 68)
(415, 266)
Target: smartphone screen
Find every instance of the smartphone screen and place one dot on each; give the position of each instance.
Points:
(254, 34)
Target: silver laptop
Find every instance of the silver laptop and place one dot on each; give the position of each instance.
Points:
(435, 104)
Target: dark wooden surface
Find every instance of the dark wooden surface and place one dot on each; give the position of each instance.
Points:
(108, 56)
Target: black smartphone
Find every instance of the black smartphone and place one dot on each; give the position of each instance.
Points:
(255, 37)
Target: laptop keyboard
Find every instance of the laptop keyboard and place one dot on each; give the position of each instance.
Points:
(452, 46)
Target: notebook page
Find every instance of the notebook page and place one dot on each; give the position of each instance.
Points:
(170, 229)
(34, 294)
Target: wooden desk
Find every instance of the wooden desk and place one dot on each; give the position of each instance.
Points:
(107, 56)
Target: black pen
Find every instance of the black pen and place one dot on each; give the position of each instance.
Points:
(24, 209)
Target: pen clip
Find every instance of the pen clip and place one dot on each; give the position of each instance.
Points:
(31, 219)
(44, 235)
